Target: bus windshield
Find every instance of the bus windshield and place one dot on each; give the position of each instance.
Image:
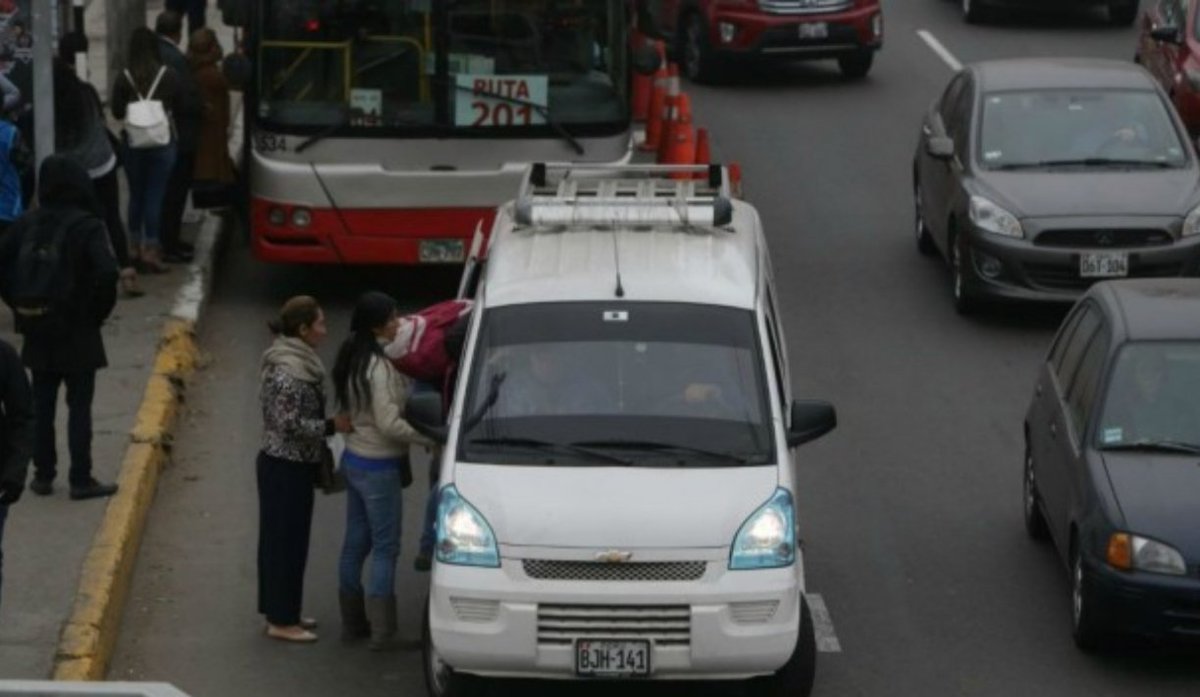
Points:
(444, 68)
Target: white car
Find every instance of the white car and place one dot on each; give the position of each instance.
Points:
(617, 496)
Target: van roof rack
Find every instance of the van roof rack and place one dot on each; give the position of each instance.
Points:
(633, 195)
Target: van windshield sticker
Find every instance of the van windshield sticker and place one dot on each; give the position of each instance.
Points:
(1113, 435)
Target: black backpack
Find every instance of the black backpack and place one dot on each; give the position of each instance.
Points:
(42, 286)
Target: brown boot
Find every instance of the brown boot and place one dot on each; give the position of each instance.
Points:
(381, 611)
(354, 616)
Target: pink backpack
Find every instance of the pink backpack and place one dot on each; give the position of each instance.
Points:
(419, 349)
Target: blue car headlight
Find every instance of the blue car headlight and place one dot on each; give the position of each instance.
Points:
(767, 540)
(464, 537)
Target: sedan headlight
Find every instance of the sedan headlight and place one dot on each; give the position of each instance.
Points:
(767, 540)
(1191, 224)
(1128, 552)
(989, 217)
(463, 534)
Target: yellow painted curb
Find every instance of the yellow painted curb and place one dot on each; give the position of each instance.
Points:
(89, 636)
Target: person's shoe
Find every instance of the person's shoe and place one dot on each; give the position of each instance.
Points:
(129, 283)
(42, 487)
(92, 489)
(308, 623)
(295, 633)
(423, 562)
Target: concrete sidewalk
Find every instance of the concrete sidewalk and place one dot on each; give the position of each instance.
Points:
(47, 539)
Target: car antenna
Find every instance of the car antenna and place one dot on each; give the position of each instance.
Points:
(620, 290)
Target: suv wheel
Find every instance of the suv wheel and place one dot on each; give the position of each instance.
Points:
(795, 678)
(1035, 522)
(1122, 14)
(440, 679)
(925, 243)
(696, 54)
(964, 301)
(974, 11)
(855, 66)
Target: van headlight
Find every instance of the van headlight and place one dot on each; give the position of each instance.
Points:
(767, 540)
(1191, 224)
(464, 537)
(989, 217)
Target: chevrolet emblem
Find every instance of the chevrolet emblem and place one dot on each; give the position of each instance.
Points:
(613, 556)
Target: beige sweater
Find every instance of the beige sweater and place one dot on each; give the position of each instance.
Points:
(380, 430)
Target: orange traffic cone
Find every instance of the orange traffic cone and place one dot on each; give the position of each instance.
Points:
(735, 179)
(671, 110)
(643, 85)
(681, 141)
(654, 116)
(703, 151)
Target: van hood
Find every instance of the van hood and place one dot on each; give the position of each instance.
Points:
(606, 507)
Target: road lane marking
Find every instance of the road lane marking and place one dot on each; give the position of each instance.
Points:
(941, 51)
(827, 641)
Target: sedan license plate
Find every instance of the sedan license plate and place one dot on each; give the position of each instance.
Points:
(1104, 265)
(612, 659)
(442, 252)
(814, 30)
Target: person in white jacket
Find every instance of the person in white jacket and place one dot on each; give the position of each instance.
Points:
(373, 392)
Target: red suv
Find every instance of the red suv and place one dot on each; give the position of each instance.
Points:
(706, 34)
(1169, 47)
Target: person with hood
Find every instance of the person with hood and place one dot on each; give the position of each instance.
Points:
(370, 388)
(294, 431)
(59, 307)
(213, 164)
(16, 427)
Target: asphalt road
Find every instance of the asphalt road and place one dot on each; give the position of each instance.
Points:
(910, 510)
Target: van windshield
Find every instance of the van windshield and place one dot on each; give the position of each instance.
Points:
(640, 384)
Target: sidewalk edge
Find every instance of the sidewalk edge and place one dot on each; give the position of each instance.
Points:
(89, 636)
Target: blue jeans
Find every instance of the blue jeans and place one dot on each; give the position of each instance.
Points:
(148, 170)
(3, 515)
(373, 510)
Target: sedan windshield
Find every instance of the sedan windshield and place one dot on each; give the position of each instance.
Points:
(651, 384)
(1077, 128)
(1154, 398)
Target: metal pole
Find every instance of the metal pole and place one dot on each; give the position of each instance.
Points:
(43, 78)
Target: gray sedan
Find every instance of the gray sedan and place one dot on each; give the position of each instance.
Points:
(1036, 178)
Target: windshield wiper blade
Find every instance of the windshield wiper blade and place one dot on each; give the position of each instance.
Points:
(658, 447)
(322, 134)
(542, 110)
(1087, 162)
(1170, 446)
(536, 444)
(489, 401)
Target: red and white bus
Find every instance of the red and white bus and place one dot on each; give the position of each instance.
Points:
(386, 131)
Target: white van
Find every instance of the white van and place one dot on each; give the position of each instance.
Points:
(617, 495)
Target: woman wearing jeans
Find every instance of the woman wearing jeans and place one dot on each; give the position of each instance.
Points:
(147, 168)
(373, 392)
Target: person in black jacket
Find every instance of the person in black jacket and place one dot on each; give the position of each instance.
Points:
(189, 112)
(72, 354)
(16, 426)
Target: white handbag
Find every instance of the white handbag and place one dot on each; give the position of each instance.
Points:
(146, 122)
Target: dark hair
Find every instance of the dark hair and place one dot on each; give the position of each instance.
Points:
(168, 23)
(144, 60)
(72, 111)
(372, 311)
(70, 44)
(297, 313)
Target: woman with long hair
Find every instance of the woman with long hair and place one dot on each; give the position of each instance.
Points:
(373, 392)
(213, 164)
(147, 168)
(294, 432)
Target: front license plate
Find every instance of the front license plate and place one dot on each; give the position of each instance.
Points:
(612, 659)
(814, 30)
(442, 252)
(1103, 265)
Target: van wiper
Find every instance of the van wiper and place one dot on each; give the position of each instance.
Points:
(658, 447)
(542, 110)
(1167, 446)
(535, 444)
(489, 401)
(1085, 162)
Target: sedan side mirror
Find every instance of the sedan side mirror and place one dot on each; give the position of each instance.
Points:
(810, 419)
(646, 60)
(1167, 33)
(940, 147)
(424, 412)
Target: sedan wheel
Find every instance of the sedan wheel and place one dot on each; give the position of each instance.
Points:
(964, 302)
(1035, 522)
(925, 243)
(1086, 629)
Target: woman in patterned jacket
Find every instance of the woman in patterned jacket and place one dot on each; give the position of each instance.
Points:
(294, 432)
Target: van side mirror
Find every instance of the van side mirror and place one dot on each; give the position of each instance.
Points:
(940, 147)
(810, 419)
(424, 412)
(646, 60)
(1167, 33)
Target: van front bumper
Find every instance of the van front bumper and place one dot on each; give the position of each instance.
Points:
(723, 625)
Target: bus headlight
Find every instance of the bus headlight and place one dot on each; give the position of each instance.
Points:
(277, 216)
(301, 217)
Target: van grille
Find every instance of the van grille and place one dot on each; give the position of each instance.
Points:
(549, 569)
(797, 7)
(663, 625)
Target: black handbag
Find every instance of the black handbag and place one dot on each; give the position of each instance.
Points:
(406, 473)
(329, 477)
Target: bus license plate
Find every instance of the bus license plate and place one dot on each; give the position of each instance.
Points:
(1103, 265)
(814, 30)
(442, 252)
(612, 659)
